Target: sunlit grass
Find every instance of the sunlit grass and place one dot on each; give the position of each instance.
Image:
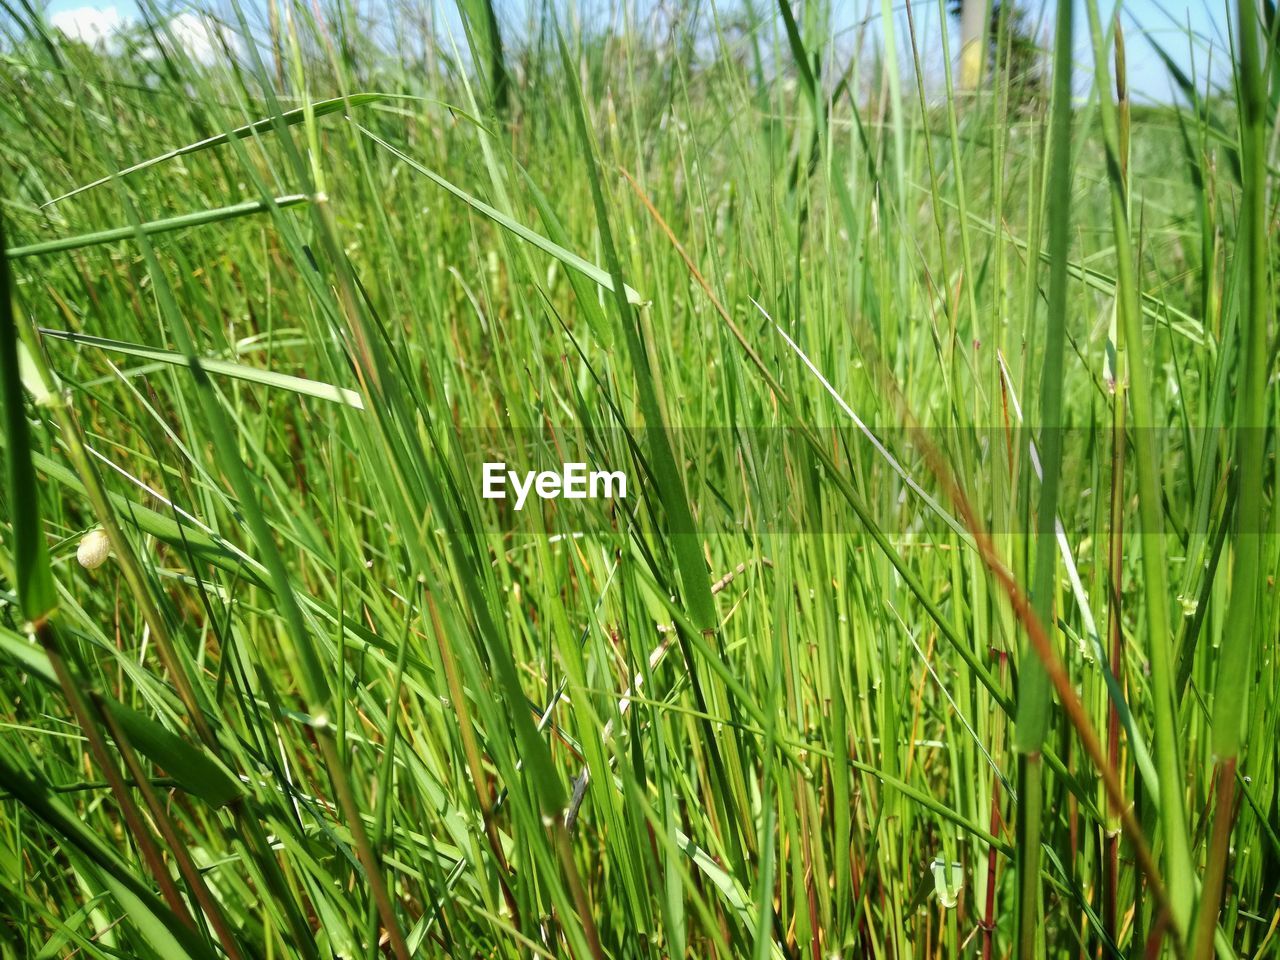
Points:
(940, 619)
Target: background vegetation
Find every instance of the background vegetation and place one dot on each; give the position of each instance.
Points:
(967, 690)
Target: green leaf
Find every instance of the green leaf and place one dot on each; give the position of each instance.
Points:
(152, 227)
(152, 925)
(239, 371)
(195, 771)
(154, 920)
(569, 259)
(288, 118)
(181, 535)
(36, 594)
(26, 656)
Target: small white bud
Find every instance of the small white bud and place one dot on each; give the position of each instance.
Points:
(94, 549)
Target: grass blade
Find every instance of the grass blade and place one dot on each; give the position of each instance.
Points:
(153, 227)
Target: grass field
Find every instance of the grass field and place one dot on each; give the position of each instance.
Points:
(939, 618)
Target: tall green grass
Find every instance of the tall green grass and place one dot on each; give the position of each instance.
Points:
(940, 619)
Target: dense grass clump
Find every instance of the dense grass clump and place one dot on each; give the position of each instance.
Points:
(939, 618)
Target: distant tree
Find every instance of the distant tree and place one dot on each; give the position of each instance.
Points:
(1017, 56)
(971, 15)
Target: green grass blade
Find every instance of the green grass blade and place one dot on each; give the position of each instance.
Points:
(239, 371)
(35, 588)
(1035, 696)
(288, 118)
(193, 770)
(153, 227)
(567, 257)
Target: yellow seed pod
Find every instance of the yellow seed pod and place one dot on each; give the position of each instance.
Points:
(94, 549)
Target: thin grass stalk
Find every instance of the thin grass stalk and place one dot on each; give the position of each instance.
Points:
(1235, 670)
(153, 227)
(863, 511)
(314, 682)
(37, 595)
(450, 319)
(177, 846)
(1167, 741)
(1115, 553)
(1039, 640)
(691, 568)
(474, 759)
(47, 635)
(586, 914)
(1115, 633)
(1035, 701)
(127, 559)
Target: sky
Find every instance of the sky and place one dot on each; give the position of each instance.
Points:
(95, 23)
(1193, 32)
(1172, 24)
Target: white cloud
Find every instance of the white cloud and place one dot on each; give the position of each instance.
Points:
(91, 25)
(203, 38)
